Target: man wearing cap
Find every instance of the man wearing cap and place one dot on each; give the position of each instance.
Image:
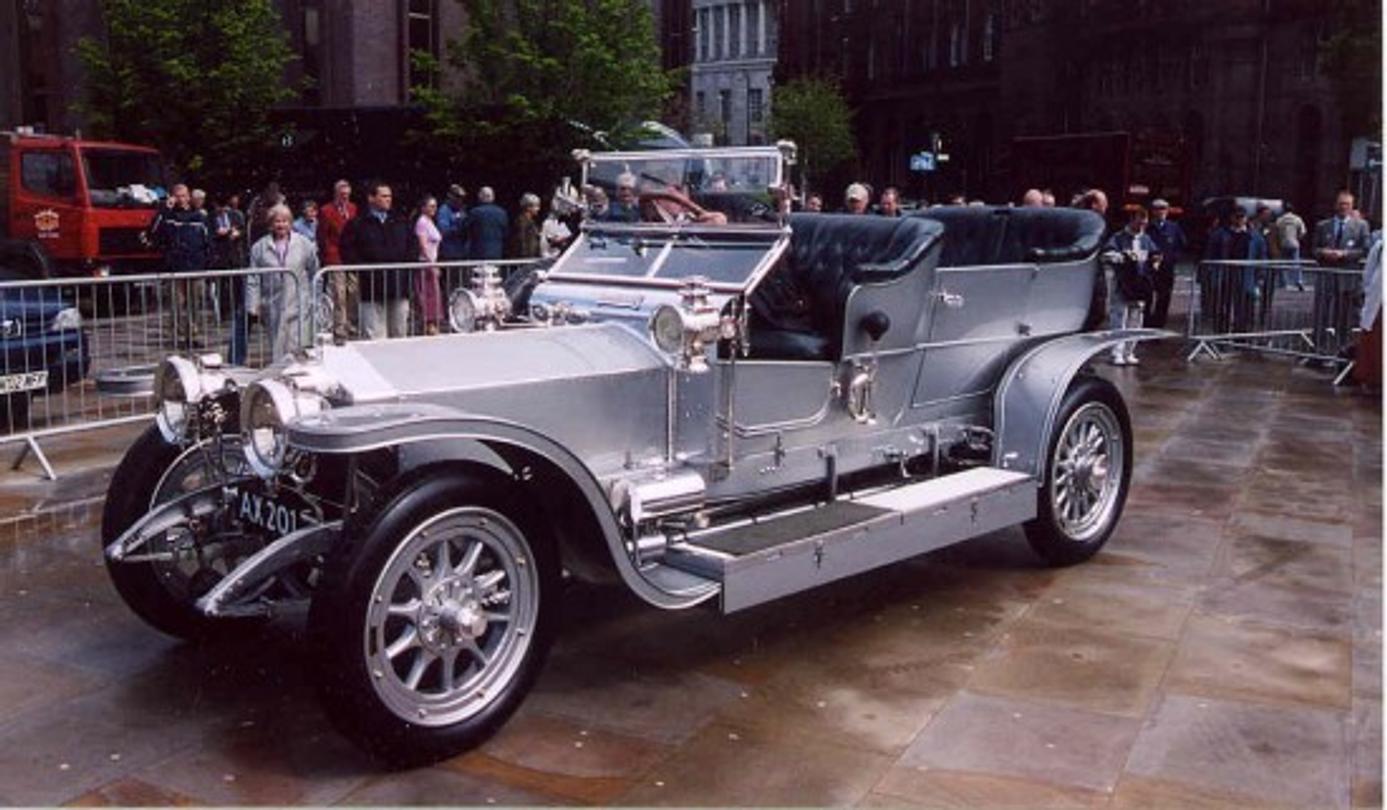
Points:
(1230, 292)
(1170, 242)
(855, 199)
(452, 225)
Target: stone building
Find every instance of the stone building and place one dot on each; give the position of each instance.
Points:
(1240, 80)
(734, 55)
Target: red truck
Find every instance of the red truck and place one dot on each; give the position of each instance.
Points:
(1133, 168)
(73, 207)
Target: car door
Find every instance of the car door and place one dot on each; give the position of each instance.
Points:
(979, 315)
(47, 205)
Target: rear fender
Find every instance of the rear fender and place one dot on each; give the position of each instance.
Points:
(1028, 397)
(432, 432)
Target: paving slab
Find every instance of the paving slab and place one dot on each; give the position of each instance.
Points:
(1285, 754)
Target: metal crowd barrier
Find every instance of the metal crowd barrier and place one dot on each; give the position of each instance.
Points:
(375, 301)
(1291, 308)
(79, 353)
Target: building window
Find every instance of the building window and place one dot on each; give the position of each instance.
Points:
(701, 105)
(871, 60)
(755, 105)
(719, 31)
(755, 30)
(734, 31)
(989, 37)
(421, 39)
(957, 53)
(725, 106)
(312, 57)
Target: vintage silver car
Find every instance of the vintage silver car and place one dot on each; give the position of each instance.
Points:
(702, 399)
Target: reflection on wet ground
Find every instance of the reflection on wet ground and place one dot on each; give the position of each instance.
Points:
(1226, 648)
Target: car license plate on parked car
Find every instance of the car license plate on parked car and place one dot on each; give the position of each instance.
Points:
(25, 381)
(275, 516)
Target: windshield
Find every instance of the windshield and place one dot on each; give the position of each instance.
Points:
(123, 179)
(729, 259)
(688, 184)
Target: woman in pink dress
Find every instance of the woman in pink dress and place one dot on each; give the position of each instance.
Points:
(427, 292)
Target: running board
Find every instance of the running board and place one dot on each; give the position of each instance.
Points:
(793, 551)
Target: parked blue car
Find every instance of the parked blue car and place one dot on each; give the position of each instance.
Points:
(42, 348)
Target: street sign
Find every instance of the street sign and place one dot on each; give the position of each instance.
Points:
(922, 162)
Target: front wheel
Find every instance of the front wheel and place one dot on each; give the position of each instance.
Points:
(431, 629)
(1088, 470)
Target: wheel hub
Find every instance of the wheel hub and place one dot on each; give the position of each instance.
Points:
(451, 615)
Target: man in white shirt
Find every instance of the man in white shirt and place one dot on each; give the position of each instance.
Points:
(1290, 229)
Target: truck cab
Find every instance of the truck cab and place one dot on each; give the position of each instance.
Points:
(73, 207)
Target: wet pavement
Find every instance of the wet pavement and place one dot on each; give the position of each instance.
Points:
(1226, 648)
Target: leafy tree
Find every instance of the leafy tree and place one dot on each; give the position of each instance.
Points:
(1352, 59)
(540, 74)
(196, 78)
(813, 113)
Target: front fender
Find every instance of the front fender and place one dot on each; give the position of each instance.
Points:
(363, 428)
(1028, 397)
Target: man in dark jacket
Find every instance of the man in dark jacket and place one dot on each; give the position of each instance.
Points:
(378, 236)
(1230, 292)
(181, 233)
(487, 225)
(1170, 240)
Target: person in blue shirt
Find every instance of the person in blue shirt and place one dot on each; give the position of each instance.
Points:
(1133, 258)
(307, 223)
(452, 224)
(1170, 242)
(487, 226)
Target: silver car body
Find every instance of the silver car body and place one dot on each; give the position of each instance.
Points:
(658, 448)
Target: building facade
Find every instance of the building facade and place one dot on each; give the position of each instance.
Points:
(1241, 81)
(735, 46)
(351, 53)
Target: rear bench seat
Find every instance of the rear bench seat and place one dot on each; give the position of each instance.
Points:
(979, 235)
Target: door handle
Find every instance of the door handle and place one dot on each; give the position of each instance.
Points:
(950, 300)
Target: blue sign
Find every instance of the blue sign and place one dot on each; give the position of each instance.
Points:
(922, 162)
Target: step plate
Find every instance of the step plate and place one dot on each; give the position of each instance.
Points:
(887, 527)
(797, 526)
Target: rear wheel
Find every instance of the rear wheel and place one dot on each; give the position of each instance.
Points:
(430, 631)
(1088, 470)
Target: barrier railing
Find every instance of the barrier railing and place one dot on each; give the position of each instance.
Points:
(377, 301)
(1291, 308)
(78, 354)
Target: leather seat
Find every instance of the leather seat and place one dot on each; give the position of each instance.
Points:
(977, 236)
(797, 312)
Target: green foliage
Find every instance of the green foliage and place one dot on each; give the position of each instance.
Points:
(813, 113)
(539, 72)
(195, 78)
(1352, 59)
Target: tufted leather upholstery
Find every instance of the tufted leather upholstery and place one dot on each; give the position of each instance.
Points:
(979, 235)
(798, 310)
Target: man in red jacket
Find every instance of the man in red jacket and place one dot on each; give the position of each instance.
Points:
(333, 217)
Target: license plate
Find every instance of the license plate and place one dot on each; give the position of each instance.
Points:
(268, 514)
(26, 381)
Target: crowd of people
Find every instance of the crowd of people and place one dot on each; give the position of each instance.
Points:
(403, 298)
(267, 234)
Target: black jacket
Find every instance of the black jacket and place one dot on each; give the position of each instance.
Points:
(367, 240)
(183, 237)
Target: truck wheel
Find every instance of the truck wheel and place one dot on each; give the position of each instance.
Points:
(1088, 470)
(430, 629)
(14, 413)
(163, 593)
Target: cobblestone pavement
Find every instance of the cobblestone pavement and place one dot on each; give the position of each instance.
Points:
(1225, 649)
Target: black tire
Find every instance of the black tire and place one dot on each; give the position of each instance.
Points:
(1060, 538)
(14, 413)
(341, 629)
(130, 497)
